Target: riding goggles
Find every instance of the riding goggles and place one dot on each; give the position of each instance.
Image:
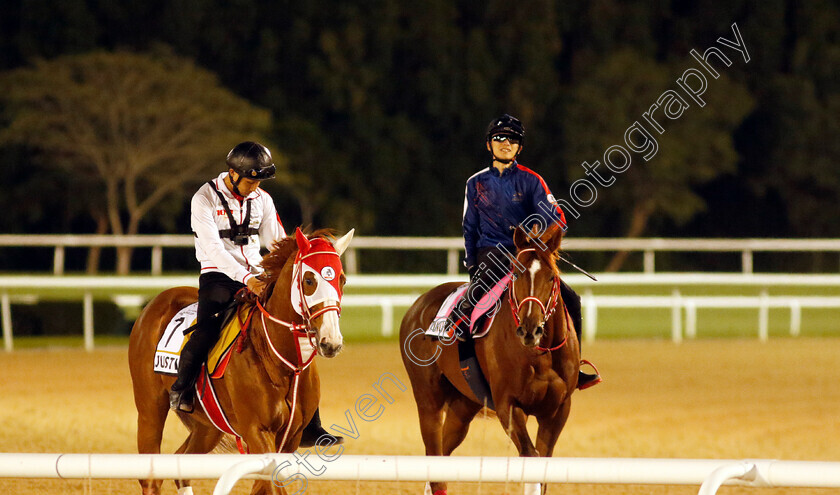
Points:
(504, 137)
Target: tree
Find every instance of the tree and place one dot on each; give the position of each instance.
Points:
(795, 141)
(693, 150)
(139, 127)
(790, 143)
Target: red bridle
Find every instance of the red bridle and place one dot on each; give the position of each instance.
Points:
(547, 308)
(307, 316)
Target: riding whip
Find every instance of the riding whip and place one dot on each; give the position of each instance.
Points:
(581, 270)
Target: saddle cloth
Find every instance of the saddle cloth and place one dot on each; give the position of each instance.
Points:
(488, 304)
(173, 339)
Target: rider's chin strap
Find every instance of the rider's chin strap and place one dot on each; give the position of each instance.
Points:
(235, 184)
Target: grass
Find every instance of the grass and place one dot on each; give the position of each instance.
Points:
(364, 324)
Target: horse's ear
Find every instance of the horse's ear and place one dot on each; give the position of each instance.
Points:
(302, 241)
(552, 238)
(520, 238)
(341, 244)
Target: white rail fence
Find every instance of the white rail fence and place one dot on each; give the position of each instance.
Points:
(134, 291)
(453, 246)
(710, 474)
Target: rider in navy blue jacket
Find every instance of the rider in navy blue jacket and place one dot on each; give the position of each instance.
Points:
(498, 199)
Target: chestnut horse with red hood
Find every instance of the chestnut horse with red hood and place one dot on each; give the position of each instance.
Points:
(270, 390)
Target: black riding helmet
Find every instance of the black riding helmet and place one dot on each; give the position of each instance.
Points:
(252, 161)
(506, 125)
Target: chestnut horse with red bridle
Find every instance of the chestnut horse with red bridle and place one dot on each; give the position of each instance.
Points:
(530, 358)
(269, 393)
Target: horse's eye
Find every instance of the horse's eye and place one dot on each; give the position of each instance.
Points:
(308, 281)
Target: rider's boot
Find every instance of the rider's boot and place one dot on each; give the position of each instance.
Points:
(182, 392)
(458, 327)
(586, 380)
(458, 322)
(314, 431)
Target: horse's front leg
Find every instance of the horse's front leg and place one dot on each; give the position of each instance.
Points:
(550, 428)
(260, 441)
(514, 420)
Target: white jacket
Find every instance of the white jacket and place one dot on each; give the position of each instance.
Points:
(208, 217)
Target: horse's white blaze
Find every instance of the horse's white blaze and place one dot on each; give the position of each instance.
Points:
(535, 267)
(185, 490)
(329, 331)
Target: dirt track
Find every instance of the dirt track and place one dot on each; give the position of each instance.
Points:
(706, 399)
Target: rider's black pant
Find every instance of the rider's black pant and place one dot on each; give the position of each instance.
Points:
(215, 294)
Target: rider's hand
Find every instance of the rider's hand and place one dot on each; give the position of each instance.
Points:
(256, 285)
(472, 270)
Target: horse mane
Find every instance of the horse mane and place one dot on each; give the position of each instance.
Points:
(274, 261)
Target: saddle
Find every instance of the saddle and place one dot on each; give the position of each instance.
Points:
(483, 314)
(178, 332)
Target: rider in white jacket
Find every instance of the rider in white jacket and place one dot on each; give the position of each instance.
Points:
(230, 215)
(215, 248)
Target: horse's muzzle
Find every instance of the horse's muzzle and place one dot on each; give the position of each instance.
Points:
(329, 349)
(531, 337)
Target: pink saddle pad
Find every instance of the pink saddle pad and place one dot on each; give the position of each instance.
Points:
(488, 304)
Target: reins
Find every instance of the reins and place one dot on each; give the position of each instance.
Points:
(301, 332)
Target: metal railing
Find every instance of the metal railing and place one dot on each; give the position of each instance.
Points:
(452, 246)
(135, 290)
(710, 474)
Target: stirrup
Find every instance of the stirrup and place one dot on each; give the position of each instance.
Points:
(178, 401)
(586, 380)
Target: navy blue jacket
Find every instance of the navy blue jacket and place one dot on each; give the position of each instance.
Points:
(495, 204)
